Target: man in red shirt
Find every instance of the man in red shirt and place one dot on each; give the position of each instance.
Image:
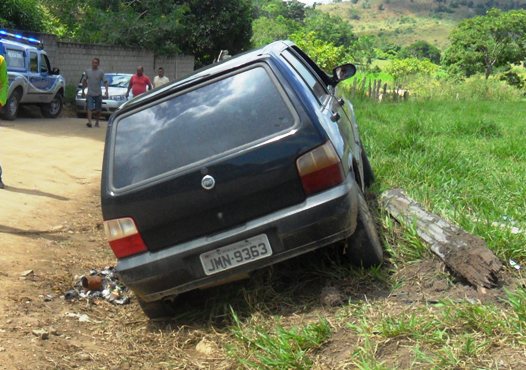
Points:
(138, 83)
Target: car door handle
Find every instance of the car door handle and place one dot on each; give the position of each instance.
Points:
(335, 117)
(341, 101)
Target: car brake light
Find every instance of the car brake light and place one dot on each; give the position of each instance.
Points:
(124, 238)
(320, 169)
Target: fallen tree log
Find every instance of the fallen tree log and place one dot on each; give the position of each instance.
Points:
(467, 255)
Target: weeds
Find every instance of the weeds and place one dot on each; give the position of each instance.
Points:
(260, 347)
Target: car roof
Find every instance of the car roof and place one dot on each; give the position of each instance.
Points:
(214, 69)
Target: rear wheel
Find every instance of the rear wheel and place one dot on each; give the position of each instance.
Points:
(156, 309)
(53, 108)
(10, 110)
(364, 247)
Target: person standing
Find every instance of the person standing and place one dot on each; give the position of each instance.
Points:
(93, 80)
(4, 85)
(160, 79)
(138, 83)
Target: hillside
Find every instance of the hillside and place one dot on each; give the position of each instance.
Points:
(405, 21)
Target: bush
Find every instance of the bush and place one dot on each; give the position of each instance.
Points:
(471, 89)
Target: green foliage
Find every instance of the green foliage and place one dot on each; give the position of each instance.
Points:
(278, 348)
(326, 55)
(265, 30)
(482, 43)
(471, 89)
(421, 50)
(401, 69)
(328, 28)
(25, 15)
(201, 28)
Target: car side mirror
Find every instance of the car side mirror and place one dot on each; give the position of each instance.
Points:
(55, 71)
(343, 72)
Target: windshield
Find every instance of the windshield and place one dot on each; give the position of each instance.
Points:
(118, 80)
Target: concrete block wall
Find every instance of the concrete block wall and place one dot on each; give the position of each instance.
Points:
(73, 58)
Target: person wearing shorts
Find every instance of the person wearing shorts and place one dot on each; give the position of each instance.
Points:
(93, 80)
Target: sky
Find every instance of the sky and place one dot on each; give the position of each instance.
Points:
(310, 2)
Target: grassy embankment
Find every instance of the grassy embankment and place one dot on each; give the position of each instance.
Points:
(465, 161)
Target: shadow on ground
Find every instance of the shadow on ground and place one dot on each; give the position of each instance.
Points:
(295, 286)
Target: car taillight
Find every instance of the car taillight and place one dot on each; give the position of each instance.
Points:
(124, 238)
(320, 169)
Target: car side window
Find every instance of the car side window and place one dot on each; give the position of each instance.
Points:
(15, 59)
(33, 62)
(307, 76)
(44, 64)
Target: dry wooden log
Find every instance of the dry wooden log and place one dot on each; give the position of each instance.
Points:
(465, 254)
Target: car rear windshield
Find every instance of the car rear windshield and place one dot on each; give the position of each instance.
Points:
(197, 126)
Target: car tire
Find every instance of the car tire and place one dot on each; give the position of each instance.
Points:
(368, 174)
(10, 110)
(53, 108)
(364, 247)
(156, 309)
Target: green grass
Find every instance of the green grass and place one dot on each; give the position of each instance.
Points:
(261, 347)
(465, 161)
(444, 335)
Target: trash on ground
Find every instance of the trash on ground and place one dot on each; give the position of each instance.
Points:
(81, 316)
(515, 265)
(41, 333)
(103, 284)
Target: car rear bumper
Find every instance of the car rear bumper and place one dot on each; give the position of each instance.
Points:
(320, 220)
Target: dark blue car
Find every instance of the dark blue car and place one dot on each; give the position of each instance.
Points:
(241, 165)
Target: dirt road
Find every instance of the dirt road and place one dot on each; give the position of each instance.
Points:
(51, 223)
(51, 169)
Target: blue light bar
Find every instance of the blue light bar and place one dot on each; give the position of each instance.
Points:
(17, 37)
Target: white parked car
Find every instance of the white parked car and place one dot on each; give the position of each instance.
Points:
(117, 86)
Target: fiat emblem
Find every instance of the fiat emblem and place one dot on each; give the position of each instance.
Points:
(208, 182)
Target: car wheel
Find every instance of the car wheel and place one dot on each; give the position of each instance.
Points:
(10, 110)
(364, 247)
(368, 174)
(156, 309)
(54, 108)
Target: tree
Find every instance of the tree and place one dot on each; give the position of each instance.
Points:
(400, 69)
(22, 14)
(265, 30)
(325, 54)
(421, 50)
(201, 28)
(483, 43)
(331, 29)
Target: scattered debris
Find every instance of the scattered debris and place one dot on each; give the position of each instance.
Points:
(99, 284)
(41, 333)
(27, 273)
(515, 265)
(81, 316)
(465, 254)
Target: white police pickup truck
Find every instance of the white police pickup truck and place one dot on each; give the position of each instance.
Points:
(31, 79)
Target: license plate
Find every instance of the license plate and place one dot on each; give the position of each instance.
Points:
(236, 254)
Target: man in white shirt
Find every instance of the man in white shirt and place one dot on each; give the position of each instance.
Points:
(160, 79)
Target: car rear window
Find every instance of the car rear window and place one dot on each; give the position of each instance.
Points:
(199, 125)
